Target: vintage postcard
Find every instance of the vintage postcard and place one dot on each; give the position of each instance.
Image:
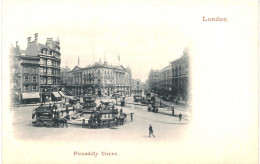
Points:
(134, 81)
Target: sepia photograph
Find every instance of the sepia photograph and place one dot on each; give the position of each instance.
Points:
(129, 81)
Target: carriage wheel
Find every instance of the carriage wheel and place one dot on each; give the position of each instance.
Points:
(37, 124)
(111, 124)
(40, 124)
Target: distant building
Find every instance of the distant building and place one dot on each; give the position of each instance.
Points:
(181, 77)
(165, 81)
(146, 85)
(99, 77)
(136, 84)
(36, 71)
(64, 76)
(154, 78)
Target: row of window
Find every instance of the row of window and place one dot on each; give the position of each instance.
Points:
(50, 53)
(49, 80)
(30, 61)
(28, 88)
(49, 62)
(49, 71)
(85, 81)
(30, 70)
(107, 73)
(179, 81)
(180, 70)
(30, 78)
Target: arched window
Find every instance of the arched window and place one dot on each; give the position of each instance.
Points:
(49, 80)
(49, 71)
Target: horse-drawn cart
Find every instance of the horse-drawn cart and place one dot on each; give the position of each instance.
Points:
(44, 116)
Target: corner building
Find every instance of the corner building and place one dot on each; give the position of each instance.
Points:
(40, 68)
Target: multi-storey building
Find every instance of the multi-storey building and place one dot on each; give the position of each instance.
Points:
(154, 77)
(180, 76)
(38, 67)
(99, 77)
(165, 80)
(24, 76)
(64, 76)
(136, 84)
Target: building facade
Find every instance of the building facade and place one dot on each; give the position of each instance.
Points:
(165, 81)
(154, 78)
(181, 76)
(136, 84)
(64, 76)
(36, 70)
(25, 76)
(99, 77)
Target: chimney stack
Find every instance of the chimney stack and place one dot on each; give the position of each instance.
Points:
(36, 38)
(49, 39)
(28, 40)
(49, 42)
(16, 43)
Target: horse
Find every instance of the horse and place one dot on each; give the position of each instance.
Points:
(63, 121)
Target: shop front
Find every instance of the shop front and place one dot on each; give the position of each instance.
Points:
(30, 97)
(56, 96)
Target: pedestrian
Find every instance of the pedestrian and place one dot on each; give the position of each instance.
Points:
(58, 113)
(151, 131)
(55, 106)
(180, 116)
(132, 117)
(83, 123)
(64, 103)
(67, 109)
(91, 118)
(172, 110)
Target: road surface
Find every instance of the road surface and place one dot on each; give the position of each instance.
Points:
(165, 127)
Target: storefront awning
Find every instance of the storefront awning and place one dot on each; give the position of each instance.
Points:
(61, 93)
(56, 94)
(31, 95)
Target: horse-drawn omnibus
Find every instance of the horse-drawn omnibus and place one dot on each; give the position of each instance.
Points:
(44, 116)
(137, 95)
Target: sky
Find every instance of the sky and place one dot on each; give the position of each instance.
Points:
(146, 35)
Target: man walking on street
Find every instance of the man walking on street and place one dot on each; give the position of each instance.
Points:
(172, 110)
(180, 116)
(151, 131)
